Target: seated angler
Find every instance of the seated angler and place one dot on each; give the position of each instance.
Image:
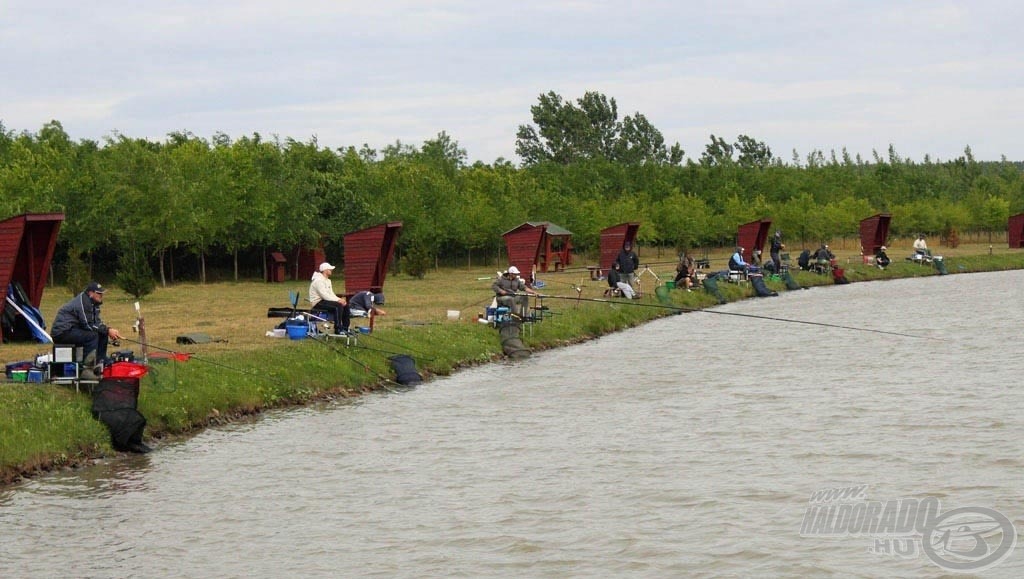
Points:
(615, 282)
(366, 304)
(804, 260)
(824, 255)
(511, 292)
(78, 322)
(323, 298)
(881, 259)
(736, 262)
(686, 271)
(921, 246)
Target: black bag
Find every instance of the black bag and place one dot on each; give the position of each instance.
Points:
(511, 343)
(405, 370)
(114, 403)
(760, 288)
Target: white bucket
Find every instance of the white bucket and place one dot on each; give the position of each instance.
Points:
(453, 315)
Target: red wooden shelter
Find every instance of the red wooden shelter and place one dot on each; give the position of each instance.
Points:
(1015, 230)
(874, 231)
(751, 236)
(26, 247)
(540, 243)
(367, 255)
(307, 260)
(276, 265)
(612, 240)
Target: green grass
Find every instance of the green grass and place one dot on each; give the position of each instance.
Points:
(44, 426)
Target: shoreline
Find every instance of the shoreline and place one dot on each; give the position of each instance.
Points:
(185, 399)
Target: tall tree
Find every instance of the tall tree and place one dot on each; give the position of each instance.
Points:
(566, 133)
(717, 153)
(752, 153)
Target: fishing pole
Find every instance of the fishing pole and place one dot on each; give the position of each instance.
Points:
(384, 379)
(383, 351)
(419, 353)
(587, 270)
(211, 362)
(679, 309)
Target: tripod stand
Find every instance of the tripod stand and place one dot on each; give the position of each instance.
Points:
(639, 279)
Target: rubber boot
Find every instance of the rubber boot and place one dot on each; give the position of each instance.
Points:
(88, 365)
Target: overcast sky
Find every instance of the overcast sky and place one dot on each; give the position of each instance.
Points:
(929, 77)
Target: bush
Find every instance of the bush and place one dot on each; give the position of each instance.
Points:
(134, 274)
(416, 261)
(78, 275)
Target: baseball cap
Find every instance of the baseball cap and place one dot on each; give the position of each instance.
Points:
(513, 270)
(325, 266)
(95, 287)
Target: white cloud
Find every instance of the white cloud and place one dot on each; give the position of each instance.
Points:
(928, 77)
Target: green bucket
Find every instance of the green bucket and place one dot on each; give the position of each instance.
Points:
(670, 285)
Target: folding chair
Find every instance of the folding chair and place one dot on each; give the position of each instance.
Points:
(66, 365)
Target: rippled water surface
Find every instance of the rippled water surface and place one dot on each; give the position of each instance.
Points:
(689, 446)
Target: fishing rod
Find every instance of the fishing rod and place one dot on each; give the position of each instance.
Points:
(381, 350)
(679, 309)
(366, 367)
(585, 269)
(211, 362)
(419, 354)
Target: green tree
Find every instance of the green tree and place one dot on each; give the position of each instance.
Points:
(566, 133)
(717, 153)
(752, 153)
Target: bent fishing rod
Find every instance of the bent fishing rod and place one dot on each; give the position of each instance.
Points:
(680, 309)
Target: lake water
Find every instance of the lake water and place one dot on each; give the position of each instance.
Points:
(690, 446)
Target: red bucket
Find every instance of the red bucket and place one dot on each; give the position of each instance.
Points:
(125, 370)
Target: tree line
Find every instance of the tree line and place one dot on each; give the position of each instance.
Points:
(152, 206)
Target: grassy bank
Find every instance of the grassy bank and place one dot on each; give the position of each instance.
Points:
(45, 426)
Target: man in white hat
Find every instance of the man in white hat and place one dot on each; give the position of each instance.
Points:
(881, 258)
(323, 298)
(512, 292)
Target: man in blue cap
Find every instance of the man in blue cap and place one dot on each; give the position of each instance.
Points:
(366, 302)
(78, 322)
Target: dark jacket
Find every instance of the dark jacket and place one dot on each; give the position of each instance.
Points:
(613, 278)
(79, 313)
(776, 245)
(361, 301)
(628, 261)
(503, 286)
(804, 261)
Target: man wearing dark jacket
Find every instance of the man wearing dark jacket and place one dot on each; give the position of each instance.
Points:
(615, 282)
(512, 292)
(776, 248)
(78, 322)
(628, 262)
